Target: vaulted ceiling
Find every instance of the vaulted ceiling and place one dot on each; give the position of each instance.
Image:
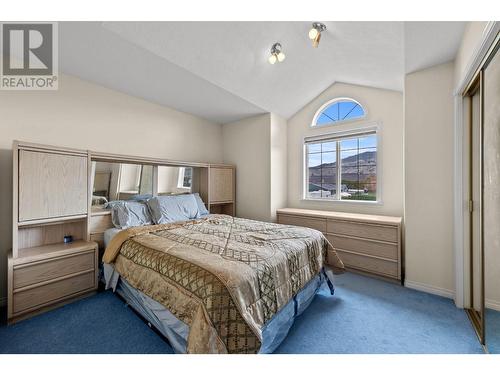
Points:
(219, 70)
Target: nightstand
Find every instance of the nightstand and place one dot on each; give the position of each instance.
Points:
(44, 277)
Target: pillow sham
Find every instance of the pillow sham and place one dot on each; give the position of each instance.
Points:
(126, 214)
(170, 208)
(201, 206)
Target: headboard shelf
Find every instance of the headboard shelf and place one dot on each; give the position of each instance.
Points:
(52, 220)
(50, 233)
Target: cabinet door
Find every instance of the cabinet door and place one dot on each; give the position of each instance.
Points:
(51, 185)
(221, 184)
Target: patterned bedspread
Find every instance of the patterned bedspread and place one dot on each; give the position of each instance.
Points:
(224, 277)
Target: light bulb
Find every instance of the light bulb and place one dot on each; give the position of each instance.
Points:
(272, 59)
(281, 56)
(313, 33)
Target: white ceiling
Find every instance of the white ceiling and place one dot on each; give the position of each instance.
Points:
(219, 70)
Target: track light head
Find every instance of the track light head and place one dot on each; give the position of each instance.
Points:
(277, 54)
(315, 33)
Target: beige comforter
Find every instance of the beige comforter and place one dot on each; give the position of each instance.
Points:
(224, 277)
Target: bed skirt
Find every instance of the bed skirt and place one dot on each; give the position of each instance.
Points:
(176, 331)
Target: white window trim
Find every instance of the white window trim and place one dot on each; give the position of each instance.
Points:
(352, 131)
(333, 101)
(180, 180)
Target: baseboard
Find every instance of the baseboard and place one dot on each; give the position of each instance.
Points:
(430, 289)
(492, 304)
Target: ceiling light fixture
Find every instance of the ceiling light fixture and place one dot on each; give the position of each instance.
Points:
(276, 54)
(315, 33)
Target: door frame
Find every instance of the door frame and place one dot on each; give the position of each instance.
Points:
(461, 171)
(477, 318)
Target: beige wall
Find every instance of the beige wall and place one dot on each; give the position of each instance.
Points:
(258, 147)
(279, 164)
(470, 42)
(384, 107)
(429, 179)
(247, 145)
(88, 116)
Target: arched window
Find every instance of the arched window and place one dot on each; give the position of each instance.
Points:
(343, 164)
(338, 110)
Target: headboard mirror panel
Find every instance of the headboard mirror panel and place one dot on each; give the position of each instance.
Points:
(174, 180)
(113, 181)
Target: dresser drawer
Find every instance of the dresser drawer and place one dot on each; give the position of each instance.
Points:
(380, 249)
(303, 221)
(33, 273)
(99, 223)
(31, 298)
(369, 264)
(363, 230)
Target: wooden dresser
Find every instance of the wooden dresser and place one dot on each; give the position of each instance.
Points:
(367, 243)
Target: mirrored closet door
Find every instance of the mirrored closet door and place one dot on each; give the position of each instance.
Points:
(482, 112)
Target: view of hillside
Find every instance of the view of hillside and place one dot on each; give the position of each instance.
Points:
(359, 177)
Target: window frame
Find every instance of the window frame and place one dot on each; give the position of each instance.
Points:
(180, 179)
(338, 122)
(352, 132)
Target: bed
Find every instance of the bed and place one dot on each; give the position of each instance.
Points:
(219, 284)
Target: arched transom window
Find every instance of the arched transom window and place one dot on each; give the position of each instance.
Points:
(338, 110)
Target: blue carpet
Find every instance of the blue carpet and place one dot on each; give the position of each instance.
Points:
(373, 316)
(97, 324)
(365, 316)
(492, 321)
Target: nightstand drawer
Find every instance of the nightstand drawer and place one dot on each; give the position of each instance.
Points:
(33, 273)
(35, 297)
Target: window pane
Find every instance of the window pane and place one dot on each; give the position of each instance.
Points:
(347, 109)
(367, 156)
(349, 157)
(329, 146)
(332, 112)
(340, 110)
(329, 182)
(359, 169)
(368, 142)
(329, 159)
(349, 144)
(356, 112)
(314, 147)
(313, 160)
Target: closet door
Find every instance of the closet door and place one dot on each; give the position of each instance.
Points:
(51, 185)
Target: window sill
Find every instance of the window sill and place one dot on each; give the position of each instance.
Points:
(345, 201)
